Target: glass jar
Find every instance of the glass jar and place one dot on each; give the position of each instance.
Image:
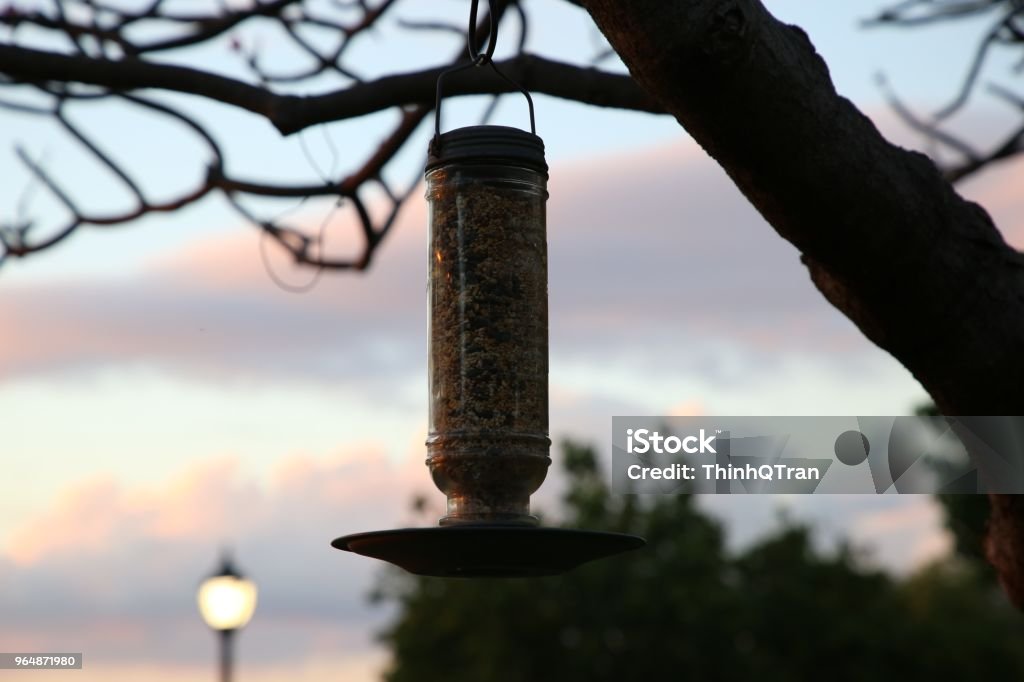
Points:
(488, 442)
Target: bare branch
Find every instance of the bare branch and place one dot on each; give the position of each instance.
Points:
(1004, 31)
(291, 113)
(100, 155)
(921, 12)
(107, 59)
(213, 26)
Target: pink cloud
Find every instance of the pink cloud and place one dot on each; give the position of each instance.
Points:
(999, 191)
(658, 241)
(112, 568)
(233, 264)
(215, 499)
(350, 667)
(657, 263)
(900, 518)
(83, 515)
(687, 408)
(909, 534)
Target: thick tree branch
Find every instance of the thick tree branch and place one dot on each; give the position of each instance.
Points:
(884, 236)
(922, 272)
(291, 113)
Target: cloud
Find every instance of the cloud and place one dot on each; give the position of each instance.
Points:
(668, 293)
(111, 570)
(900, 533)
(180, 320)
(348, 666)
(648, 251)
(998, 191)
(907, 533)
(665, 245)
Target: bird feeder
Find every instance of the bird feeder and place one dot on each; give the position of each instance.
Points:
(488, 361)
(487, 445)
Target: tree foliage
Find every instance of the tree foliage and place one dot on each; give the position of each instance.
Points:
(686, 607)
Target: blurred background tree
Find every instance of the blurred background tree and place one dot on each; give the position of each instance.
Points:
(965, 517)
(781, 609)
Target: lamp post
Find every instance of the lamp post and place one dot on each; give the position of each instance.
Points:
(227, 601)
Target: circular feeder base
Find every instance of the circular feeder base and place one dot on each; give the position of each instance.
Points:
(487, 551)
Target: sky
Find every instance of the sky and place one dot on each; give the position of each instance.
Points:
(161, 397)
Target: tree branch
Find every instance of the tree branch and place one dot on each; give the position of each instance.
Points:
(1007, 29)
(292, 113)
(884, 236)
(203, 27)
(921, 271)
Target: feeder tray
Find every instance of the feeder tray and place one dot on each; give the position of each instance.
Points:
(487, 551)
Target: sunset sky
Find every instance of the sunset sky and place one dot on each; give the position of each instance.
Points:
(161, 398)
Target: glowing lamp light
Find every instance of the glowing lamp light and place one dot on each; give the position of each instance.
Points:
(227, 600)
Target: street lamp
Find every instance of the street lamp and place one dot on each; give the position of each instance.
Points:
(226, 601)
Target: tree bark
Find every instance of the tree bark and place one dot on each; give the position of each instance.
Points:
(921, 271)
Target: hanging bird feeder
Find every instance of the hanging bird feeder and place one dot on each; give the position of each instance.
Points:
(487, 447)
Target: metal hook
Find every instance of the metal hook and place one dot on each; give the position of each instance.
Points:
(474, 52)
(478, 59)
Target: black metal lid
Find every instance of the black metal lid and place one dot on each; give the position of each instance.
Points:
(488, 144)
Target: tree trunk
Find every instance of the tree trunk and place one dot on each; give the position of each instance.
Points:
(921, 271)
